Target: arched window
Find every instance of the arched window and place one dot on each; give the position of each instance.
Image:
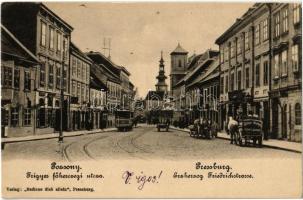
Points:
(180, 63)
(298, 114)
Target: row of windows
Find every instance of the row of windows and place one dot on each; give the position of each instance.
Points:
(80, 90)
(114, 90)
(230, 84)
(280, 70)
(281, 25)
(98, 98)
(258, 75)
(80, 69)
(14, 117)
(61, 42)
(281, 62)
(281, 19)
(261, 32)
(209, 94)
(11, 78)
(54, 79)
(235, 47)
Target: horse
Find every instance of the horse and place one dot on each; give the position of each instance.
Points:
(233, 129)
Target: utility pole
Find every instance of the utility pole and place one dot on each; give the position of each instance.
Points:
(107, 47)
(60, 140)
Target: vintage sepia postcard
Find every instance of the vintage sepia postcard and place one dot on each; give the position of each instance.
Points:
(151, 99)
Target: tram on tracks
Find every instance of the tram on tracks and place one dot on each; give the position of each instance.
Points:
(124, 120)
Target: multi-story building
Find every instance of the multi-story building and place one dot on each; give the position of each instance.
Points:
(244, 64)
(209, 87)
(196, 69)
(125, 90)
(113, 83)
(286, 71)
(98, 111)
(79, 89)
(132, 95)
(47, 36)
(18, 74)
(259, 63)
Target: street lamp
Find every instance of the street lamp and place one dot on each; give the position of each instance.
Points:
(60, 140)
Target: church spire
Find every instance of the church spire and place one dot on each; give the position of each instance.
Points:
(161, 85)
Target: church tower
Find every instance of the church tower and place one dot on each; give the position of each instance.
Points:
(161, 85)
(178, 66)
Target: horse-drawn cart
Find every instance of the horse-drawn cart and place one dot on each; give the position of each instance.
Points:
(201, 130)
(250, 128)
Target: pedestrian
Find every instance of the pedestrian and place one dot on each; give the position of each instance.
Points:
(167, 122)
(214, 129)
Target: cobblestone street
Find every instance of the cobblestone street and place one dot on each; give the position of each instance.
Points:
(143, 142)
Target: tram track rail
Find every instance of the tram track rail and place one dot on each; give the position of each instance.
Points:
(85, 149)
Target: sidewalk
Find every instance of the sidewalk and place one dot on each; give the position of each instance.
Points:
(272, 143)
(54, 135)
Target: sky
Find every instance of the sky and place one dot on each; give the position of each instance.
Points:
(140, 31)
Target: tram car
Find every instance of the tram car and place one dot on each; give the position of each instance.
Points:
(124, 120)
(164, 119)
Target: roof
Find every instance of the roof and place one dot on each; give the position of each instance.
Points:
(98, 78)
(209, 73)
(56, 16)
(106, 73)
(99, 58)
(73, 47)
(125, 70)
(131, 85)
(238, 21)
(154, 95)
(193, 60)
(11, 46)
(199, 63)
(35, 6)
(95, 83)
(179, 50)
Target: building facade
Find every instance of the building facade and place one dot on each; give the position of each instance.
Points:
(244, 63)
(126, 93)
(256, 64)
(18, 74)
(113, 84)
(47, 36)
(79, 89)
(197, 68)
(98, 99)
(209, 87)
(286, 73)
